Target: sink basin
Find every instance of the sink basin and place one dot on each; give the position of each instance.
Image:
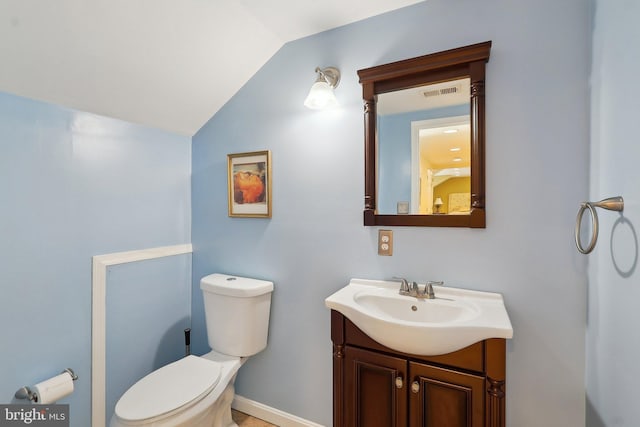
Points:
(414, 310)
(456, 319)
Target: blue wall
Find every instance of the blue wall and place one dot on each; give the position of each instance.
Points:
(394, 153)
(613, 339)
(74, 185)
(537, 162)
(148, 309)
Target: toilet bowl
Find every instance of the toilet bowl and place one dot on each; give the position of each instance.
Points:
(198, 391)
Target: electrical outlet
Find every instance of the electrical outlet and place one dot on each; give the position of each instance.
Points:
(385, 242)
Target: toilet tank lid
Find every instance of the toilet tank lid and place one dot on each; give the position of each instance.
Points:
(236, 286)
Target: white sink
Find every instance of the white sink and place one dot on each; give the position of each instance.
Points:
(456, 319)
(382, 303)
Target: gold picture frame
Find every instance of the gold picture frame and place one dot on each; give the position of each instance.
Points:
(249, 184)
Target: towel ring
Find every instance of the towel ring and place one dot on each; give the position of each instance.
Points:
(612, 204)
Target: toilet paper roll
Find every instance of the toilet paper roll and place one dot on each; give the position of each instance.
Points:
(54, 389)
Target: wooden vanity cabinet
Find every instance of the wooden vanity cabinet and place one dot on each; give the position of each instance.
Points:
(375, 386)
(374, 394)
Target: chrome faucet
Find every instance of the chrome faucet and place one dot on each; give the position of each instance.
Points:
(414, 291)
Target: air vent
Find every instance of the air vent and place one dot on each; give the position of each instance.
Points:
(443, 91)
(448, 90)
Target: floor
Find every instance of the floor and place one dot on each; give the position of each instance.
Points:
(244, 420)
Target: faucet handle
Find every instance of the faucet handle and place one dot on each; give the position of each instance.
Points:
(404, 284)
(428, 290)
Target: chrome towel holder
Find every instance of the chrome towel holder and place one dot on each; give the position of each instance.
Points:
(612, 204)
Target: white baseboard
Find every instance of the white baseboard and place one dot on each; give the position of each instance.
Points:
(269, 414)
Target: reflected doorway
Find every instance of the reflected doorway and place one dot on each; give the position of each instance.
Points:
(441, 166)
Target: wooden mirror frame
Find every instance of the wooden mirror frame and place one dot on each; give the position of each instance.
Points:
(463, 62)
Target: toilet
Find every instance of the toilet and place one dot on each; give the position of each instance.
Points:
(198, 390)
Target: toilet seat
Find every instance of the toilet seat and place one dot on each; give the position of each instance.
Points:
(173, 387)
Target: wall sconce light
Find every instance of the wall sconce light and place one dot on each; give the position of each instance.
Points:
(438, 203)
(321, 94)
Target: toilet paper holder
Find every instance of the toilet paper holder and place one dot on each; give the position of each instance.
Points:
(26, 393)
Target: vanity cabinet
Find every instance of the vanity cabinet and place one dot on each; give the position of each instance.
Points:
(375, 386)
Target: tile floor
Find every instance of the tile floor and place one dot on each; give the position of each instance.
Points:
(244, 420)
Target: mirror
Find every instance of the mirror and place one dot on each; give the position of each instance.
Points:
(424, 150)
(424, 140)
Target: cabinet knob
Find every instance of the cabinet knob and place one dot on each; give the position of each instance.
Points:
(399, 382)
(415, 387)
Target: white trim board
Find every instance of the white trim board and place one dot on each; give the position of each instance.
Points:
(98, 317)
(269, 414)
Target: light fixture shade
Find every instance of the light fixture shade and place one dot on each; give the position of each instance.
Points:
(438, 202)
(321, 94)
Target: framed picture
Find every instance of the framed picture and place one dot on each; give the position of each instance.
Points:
(249, 181)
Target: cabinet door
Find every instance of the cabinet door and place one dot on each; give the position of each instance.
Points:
(444, 398)
(375, 389)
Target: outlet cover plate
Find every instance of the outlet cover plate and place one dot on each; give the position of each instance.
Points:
(385, 242)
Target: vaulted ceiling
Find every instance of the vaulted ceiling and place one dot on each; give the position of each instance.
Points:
(163, 63)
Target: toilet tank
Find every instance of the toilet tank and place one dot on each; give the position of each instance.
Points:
(237, 313)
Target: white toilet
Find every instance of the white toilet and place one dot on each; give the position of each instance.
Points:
(197, 391)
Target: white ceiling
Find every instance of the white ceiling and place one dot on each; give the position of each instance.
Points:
(168, 64)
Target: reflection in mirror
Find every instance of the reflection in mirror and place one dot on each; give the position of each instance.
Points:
(424, 148)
